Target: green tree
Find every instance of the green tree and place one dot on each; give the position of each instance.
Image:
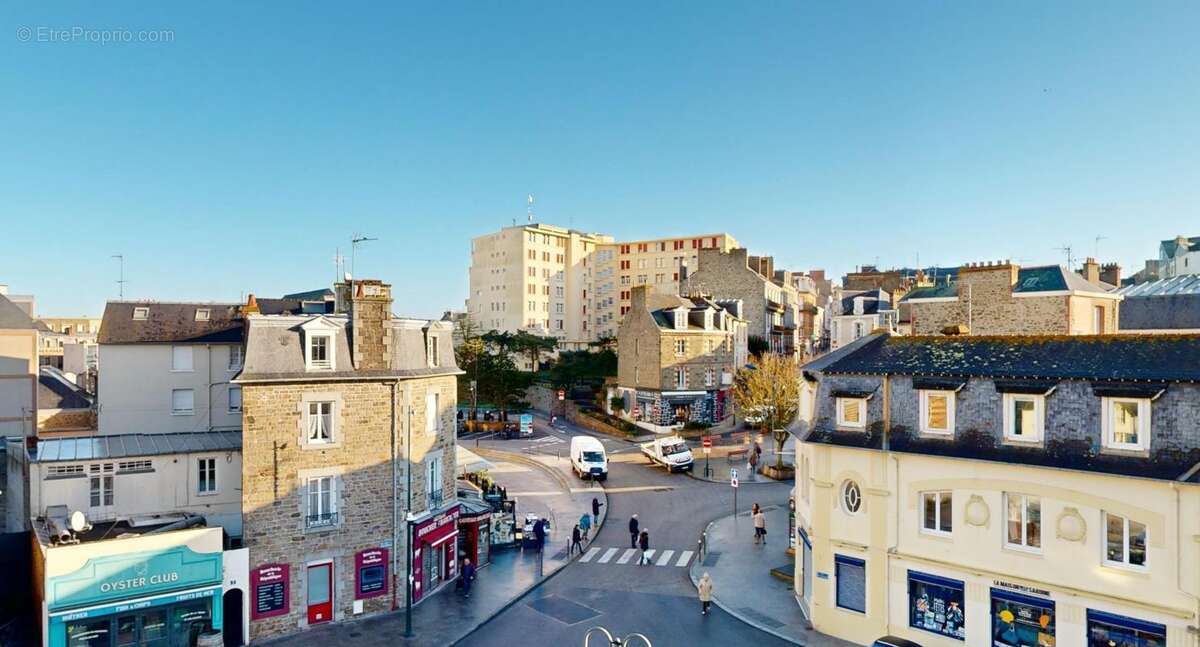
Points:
(500, 383)
(468, 356)
(574, 368)
(770, 388)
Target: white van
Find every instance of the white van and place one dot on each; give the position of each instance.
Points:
(588, 458)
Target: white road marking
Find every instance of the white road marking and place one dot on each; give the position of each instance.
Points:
(630, 488)
(684, 558)
(627, 555)
(608, 554)
(649, 556)
(587, 557)
(664, 558)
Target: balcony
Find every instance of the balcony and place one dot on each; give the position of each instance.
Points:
(321, 520)
(435, 499)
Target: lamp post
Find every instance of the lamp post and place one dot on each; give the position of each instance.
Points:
(408, 518)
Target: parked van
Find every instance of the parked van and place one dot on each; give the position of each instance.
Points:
(588, 458)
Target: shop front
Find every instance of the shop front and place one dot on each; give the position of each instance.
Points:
(435, 551)
(474, 527)
(134, 591)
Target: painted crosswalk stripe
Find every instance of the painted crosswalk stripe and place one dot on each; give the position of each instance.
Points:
(684, 558)
(627, 555)
(587, 557)
(649, 556)
(608, 554)
(664, 558)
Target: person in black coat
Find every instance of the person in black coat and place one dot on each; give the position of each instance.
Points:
(539, 531)
(576, 541)
(644, 544)
(633, 531)
(596, 512)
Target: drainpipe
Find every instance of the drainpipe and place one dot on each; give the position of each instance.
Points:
(408, 632)
(887, 451)
(1179, 541)
(395, 501)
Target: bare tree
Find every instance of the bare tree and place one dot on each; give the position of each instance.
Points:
(770, 388)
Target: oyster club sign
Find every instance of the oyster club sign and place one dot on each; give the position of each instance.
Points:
(130, 575)
(134, 583)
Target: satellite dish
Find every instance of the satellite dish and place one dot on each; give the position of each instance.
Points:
(79, 522)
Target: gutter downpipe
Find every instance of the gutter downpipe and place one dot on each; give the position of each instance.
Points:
(1179, 550)
(395, 502)
(887, 449)
(408, 552)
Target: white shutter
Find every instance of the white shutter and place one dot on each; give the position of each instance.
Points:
(181, 358)
(182, 401)
(431, 413)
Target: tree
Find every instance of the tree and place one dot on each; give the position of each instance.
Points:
(770, 388)
(533, 347)
(757, 345)
(467, 356)
(500, 383)
(583, 367)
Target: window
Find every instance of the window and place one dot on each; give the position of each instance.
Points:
(322, 502)
(937, 412)
(858, 329)
(101, 484)
(235, 399)
(206, 476)
(681, 378)
(64, 470)
(237, 355)
(1112, 629)
(850, 413)
(433, 482)
(202, 314)
(851, 574)
(1124, 541)
(938, 508)
(936, 604)
(183, 402)
(432, 352)
(135, 466)
(319, 353)
(1019, 619)
(320, 422)
(708, 377)
(432, 419)
(1098, 320)
(1023, 417)
(1024, 528)
(681, 347)
(1126, 423)
(141, 314)
(181, 358)
(851, 497)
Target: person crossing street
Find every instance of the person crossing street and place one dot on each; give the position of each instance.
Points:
(633, 531)
(644, 544)
(596, 511)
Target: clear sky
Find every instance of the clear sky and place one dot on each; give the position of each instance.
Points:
(238, 156)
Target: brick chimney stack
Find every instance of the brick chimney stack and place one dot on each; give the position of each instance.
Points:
(1110, 273)
(370, 309)
(637, 297)
(1091, 271)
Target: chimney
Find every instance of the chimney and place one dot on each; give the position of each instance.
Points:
(1091, 271)
(370, 303)
(637, 297)
(1110, 273)
(251, 306)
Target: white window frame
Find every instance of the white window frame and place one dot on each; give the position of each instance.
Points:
(432, 351)
(433, 418)
(183, 412)
(239, 353)
(938, 496)
(680, 377)
(203, 314)
(141, 314)
(178, 362)
(844, 497)
(213, 487)
(1125, 521)
(923, 423)
(680, 347)
(841, 413)
(100, 484)
(311, 497)
(1023, 545)
(433, 478)
(680, 316)
(709, 376)
(233, 388)
(1143, 424)
(1039, 417)
(310, 343)
(309, 422)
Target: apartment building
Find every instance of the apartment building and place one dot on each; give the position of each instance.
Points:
(1003, 298)
(69, 335)
(771, 301)
(1179, 256)
(342, 411)
(661, 264)
(1002, 491)
(676, 358)
(536, 278)
(858, 314)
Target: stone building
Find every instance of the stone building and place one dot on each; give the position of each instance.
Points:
(676, 357)
(1004, 491)
(1005, 299)
(772, 305)
(858, 314)
(341, 410)
(1179, 256)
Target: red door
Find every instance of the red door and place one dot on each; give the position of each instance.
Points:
(320, 593)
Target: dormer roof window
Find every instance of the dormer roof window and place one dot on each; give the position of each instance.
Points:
(319, 351)
(203, 314)
(680, 319)
(141, 313)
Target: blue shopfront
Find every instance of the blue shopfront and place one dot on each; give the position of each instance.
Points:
(161, 598)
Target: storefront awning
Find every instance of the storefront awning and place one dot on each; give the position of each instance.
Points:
(468, 461)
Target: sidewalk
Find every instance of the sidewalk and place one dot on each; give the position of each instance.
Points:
(720, 464)
(742, 581)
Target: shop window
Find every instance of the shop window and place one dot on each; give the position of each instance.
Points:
(851, 497)
(1024, 527)
(1019, 620)
(936, 604)
(937, 412)
(1126, 423)
(1024, 417)
(851, 575)
(1111, 629)
(850, 413)
(937, 512)
(1124, 541)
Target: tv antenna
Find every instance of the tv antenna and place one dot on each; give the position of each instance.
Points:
(1066, 249)
(1096, 248)
(529, 208)
(339, 262)
(357, 240)
(121, 276)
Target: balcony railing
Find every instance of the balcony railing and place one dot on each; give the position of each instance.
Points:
(321, 520)
(435, 499)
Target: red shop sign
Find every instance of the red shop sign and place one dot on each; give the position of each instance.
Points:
(270, 591)
(370, 573)
(438, 527)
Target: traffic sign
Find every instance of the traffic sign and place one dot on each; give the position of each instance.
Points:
(706, 441)
(733, 479)
(562, 395)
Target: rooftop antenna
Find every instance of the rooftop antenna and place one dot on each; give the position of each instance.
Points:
(357, 240)
(529, 208)
(121, 280)
(339, 262)
(1066, 249)
(1096, 248)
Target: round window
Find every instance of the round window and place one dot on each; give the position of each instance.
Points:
(851, 497)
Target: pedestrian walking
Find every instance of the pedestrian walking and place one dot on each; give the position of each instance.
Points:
(585, 524)
(754, 463)
(644, 544)
(576, 535)
(539, 531)
(633, 531)
(468, 575)
(596, 511)
(760, 527)
(705, 588)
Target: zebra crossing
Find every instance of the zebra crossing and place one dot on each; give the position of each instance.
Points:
(618, 556)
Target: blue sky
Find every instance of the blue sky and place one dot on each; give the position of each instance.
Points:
(238, 156)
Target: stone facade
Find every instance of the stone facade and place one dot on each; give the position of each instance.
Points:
(771, 307)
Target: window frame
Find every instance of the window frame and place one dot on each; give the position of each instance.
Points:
(433, 405)
(432, 351)
(1009, 418)
(1024, 544)
(923, 421)
(310, 343)
(1125, 529)
(680, 347)
(840, 405)
(229, 399)
(938, 496)
(183, 412)
(857, 562)
(214, 487)
(241, 358)
(1143, 424)
(844, 495)
(330, 429)
(680, 377)
(141, 313)
(191, 359)
(331, 514)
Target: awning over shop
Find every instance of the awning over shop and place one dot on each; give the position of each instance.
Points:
(468, 461)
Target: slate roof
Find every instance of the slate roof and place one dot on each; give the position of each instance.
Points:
(134, 446)
(1085, 357)
(1041, 278)
(12, 317)
(56, 392)
(170, 323)
(871, 302)
(662, 304)
(932, 292)
(1172, 246)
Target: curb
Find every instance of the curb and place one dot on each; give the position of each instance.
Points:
(554, 473)
(767, 481)
(736, 614)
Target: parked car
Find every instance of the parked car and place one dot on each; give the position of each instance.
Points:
(669, 451)
(894, 641)
(588, 458)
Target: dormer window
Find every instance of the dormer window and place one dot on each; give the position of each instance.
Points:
(680, 320)
(432, 355)
(319, 350)
(202, 314)
(319, 353)
(141, 314)
(708, 319)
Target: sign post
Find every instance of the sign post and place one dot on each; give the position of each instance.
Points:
(733, 483)
(706, 441)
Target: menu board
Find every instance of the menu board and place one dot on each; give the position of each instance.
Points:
(269, 588)
(371, 572)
